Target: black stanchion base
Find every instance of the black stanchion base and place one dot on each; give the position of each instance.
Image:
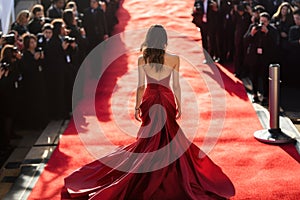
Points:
(272, 137)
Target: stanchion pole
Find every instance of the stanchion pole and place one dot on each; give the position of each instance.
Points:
(273, 135)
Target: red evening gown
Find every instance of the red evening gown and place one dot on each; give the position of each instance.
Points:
(162, 163)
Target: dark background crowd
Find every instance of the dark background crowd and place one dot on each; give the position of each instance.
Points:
(40, 57)
(251, 35)
(42, 52)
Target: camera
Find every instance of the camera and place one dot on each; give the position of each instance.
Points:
(4, 66)
(9, 38)
(39, 49)
(259, 26)
(79, 23)
(69, 39)
(40, 39)
(15, 49)
(197, 5)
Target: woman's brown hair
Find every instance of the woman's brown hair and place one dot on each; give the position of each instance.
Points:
(26, 39)
(289, 16)
(7, 53)
(153, 47)
(21, 15)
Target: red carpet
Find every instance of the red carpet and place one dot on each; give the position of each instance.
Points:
(258, 171)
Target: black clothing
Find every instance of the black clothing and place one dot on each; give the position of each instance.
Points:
(226, 32)
(262, 51)
(207, 25)
(71, 70)
(55, 68)
(271, 6)
(94, 23)
(41, 40)
(82, 5)
(294, 37)
(54, 12)
(19, 28)
(35, 99)
(35, 26)
(46, 4)
(110, 14)
(293, 57)
(242, 23)
(10, 89)
(283, 26)
(284, 46)
(81, 42)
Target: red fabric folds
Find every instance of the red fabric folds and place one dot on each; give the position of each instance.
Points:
(161, 164)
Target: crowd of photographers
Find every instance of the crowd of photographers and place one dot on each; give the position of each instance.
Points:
(40, 57)
(252, 34)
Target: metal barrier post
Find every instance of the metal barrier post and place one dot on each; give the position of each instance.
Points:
(274, 134)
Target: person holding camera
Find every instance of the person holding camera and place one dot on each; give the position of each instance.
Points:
(36, 23)
(10, 84)
(263, 42)
(12, 38)
(77, 33)
(20, 25)
(95, 25)
(283, 20)
(293, 58)
(45, 36)
(56, 61)
(34, 96)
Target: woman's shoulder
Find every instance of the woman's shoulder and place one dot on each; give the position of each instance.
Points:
(171, 55)
(171, 58)
(141, 60)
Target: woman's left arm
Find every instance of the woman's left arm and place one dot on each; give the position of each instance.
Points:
(176, 86)
(140, 88)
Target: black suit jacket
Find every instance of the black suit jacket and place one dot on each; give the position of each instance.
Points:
(294, 37)
(268, 42)
(35, 26)
(54, 13)
(199, 11)
(95, 25)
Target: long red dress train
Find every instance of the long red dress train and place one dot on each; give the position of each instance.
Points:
(161, 164)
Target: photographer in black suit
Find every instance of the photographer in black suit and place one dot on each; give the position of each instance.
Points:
(10, 87)
(56, 9)
(241, 20)
(36, 23)
(56, 63)
(263, 42)
(203, 18)
(293, 58)
(94, 23)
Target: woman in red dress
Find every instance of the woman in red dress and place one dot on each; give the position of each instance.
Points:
(162, 163)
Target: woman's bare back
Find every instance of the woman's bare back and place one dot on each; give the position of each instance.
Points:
(170, 62)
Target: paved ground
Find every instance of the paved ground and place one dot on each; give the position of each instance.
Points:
(21, 170)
